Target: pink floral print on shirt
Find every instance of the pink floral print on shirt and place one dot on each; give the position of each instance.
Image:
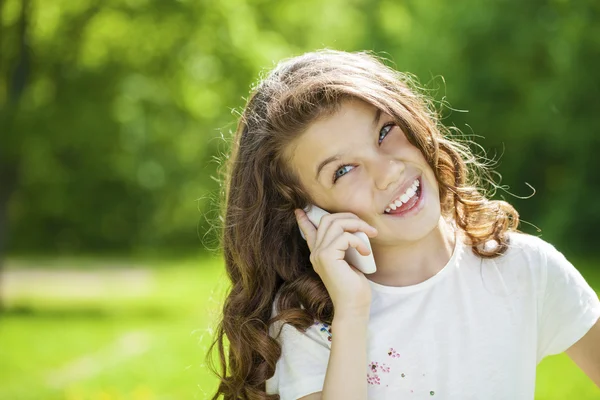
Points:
(376, 368)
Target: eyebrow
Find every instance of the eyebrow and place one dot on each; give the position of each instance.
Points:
(326, 161)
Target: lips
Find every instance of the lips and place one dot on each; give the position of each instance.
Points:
(408, 206)
(402, 189)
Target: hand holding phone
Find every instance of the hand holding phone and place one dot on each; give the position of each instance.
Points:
(365, 264)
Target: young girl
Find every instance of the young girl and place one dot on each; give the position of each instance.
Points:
(461, 305)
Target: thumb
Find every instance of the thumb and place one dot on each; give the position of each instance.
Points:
(306, 227)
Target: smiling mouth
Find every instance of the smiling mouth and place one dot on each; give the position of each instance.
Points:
(406, 201)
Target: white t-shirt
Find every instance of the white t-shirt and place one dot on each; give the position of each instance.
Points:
(475, 330)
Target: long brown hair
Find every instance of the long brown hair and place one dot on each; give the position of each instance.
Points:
(264, 253)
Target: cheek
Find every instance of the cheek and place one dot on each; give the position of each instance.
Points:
(397, 143)
(428, 172)
(396, 139)
(402, 137)
(352, 200)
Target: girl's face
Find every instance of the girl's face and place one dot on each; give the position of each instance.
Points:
(359, 161)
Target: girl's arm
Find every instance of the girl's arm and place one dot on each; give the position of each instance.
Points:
(346, 371)
(586, 353)
(350, 293)
(345, 378)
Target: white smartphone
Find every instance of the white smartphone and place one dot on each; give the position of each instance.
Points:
(365, 264)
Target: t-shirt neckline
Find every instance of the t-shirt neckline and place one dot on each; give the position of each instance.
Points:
(450, 266)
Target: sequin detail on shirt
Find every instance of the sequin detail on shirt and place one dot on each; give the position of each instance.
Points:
(324, 329)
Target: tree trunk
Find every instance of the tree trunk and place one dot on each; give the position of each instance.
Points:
(18, 78)
(8, 183)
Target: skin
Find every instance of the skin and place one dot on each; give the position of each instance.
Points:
(586, 353)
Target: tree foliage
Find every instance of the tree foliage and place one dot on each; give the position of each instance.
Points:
(112, 112)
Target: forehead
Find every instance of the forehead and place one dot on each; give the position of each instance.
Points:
(347, 115)
(329, 136)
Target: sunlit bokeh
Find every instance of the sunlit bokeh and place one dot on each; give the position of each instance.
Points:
(114, 116)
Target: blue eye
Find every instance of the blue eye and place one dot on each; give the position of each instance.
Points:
(337, 175)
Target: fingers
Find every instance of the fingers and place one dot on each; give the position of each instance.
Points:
(337, 250)
(353, 241)
(334, 234)
(333, 225)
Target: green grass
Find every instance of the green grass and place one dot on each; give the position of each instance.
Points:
(152, 346)
(559, 378)
(149, 347)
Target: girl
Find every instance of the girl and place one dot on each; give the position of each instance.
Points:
(461, 306)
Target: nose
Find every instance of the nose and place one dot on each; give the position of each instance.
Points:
(387, 172)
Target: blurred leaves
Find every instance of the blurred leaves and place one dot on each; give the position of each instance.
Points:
(125, 102)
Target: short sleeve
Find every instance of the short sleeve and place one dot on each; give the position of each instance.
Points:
(301, 368)
(569, 308)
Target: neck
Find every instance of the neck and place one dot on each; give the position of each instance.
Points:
(414, 262)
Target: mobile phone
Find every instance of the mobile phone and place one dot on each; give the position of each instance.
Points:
(365, 264)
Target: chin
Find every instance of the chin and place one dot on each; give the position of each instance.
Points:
(423, 228)
(417, 223)
(412, 231)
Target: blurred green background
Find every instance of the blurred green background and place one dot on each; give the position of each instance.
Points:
(112, 114)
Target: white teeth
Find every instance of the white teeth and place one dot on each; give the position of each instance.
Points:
(410, 192)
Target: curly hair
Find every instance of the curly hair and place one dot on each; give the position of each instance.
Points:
(264, 254)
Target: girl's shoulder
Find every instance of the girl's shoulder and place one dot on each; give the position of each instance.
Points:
(530, 262)
(523, 267)
(529, 248)
(302, 364)
(280, 330)
(525, 241)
